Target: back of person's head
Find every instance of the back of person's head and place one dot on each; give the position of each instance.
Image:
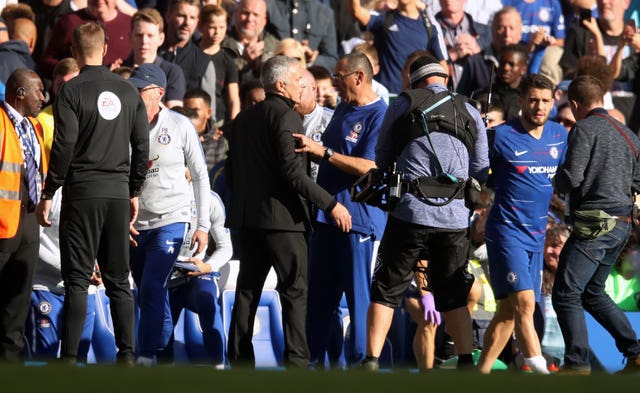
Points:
(586, 90)
(358, 61)
(425, 67)
(123, 71)
(88, 40)
(148, 15)
(247, 90)
(275, 70)
(66, 66)
(369, 50)
(198, 93)
(413, 56)
(18, 10)
(407, 63)
(24, 29)
(597, 67)
(292, 48)
(535, 81)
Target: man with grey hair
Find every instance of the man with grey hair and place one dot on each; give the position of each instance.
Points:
(270, 188)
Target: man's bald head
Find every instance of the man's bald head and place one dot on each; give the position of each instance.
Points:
(309, 91)
(25, 92)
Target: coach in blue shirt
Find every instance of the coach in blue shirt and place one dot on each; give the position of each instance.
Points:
(342, 262)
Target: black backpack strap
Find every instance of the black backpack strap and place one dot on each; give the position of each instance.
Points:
(427, 25)
(388, 20)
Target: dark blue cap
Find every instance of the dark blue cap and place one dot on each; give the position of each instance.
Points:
(148, 74)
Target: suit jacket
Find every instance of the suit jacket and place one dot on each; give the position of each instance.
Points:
(268, 180)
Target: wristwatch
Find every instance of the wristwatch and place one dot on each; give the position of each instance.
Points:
(328, 153)
(46, 197)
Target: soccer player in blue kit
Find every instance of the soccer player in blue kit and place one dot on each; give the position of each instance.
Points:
(342, 262)
(524, 156)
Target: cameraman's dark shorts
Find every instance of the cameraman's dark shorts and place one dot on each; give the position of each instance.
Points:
(402, 245)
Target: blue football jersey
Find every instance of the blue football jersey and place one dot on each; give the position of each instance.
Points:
(353, 131)
(523, 168)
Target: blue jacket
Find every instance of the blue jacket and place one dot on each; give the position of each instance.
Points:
(14, 54)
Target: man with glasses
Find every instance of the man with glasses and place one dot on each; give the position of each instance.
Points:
(342, 262)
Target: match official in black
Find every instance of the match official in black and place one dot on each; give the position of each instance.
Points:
(98, 117)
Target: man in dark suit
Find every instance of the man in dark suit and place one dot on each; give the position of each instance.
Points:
(270, 188)
(23, 164)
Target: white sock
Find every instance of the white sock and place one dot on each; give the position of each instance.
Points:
(538, 364)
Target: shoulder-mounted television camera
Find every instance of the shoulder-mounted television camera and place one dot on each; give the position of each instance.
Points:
(378, 188)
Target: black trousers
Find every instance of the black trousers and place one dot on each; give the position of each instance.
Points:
(403, 244)
(18, 258)
(287, 253)
(93, 229)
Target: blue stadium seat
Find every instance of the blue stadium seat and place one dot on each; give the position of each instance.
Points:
(268, 336)
(605, 356)
(188, 344)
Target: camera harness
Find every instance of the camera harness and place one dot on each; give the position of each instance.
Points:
(382, 188)
(443, 184)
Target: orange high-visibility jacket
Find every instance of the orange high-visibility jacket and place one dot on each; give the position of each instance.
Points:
(11, 163)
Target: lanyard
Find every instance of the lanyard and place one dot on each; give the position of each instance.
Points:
(25, 133)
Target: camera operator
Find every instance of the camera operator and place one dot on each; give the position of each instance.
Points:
(428, 217)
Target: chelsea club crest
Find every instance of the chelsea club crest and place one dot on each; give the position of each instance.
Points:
(44, 308)
(164, 138)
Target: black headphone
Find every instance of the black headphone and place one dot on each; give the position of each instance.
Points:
(20, 92)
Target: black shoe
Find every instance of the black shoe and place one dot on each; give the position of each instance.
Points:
(370, 364)
(68, 361)
(126, 360)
